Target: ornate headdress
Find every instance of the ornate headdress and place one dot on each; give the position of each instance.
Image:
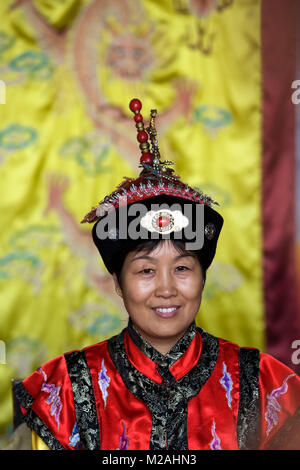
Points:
(156, 183)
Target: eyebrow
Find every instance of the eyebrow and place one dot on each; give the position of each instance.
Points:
(150, 258)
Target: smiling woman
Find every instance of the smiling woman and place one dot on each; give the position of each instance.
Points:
(162, 383)
(161, 290)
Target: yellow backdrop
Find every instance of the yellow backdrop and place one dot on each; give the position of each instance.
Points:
(67, 138)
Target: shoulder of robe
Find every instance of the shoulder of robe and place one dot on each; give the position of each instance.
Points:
(280, 404)
(47, 401)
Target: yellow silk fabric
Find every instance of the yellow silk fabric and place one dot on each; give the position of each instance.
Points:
(67, 138)
(57, 13)
(37, 443)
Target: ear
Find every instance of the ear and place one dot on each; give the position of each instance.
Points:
(117, 285)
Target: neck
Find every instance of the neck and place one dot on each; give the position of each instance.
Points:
(162, 345)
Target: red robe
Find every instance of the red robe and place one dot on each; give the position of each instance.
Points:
(207, 393)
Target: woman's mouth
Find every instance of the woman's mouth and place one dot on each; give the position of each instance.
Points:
(166, 312)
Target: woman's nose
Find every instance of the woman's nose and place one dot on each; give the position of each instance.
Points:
(166, 285)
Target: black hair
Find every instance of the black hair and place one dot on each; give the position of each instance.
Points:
(150, 245)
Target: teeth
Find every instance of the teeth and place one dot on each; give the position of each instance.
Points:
(166, 310)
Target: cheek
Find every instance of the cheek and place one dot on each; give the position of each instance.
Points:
(136, 291)
(191, 288)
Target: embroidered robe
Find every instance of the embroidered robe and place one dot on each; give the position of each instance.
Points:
(206, 393)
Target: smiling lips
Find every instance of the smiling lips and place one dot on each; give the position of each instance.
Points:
(166, 312)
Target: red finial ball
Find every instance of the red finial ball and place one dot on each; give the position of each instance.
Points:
(142, 136)
(138, 117)
(135, 105)
(146, 158)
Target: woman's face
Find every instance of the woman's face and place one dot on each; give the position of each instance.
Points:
(162, 293)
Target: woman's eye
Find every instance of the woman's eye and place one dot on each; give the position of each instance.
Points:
(146, 271)
(182, 268)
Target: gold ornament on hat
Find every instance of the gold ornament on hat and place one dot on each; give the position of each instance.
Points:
(155, 179)
(150, 159)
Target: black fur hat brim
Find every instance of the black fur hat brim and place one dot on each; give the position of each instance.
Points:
(113, 249)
